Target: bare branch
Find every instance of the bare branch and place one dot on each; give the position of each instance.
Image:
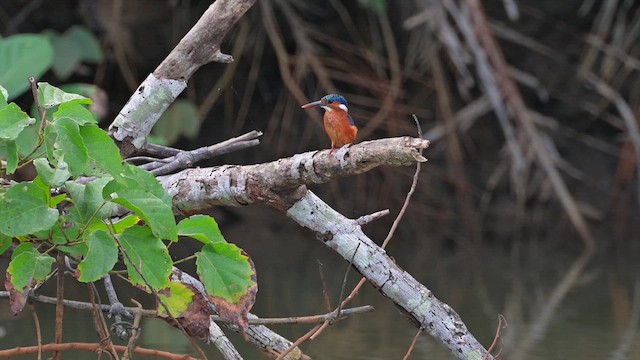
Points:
(178, 159)
(200, 46)
(196, 189)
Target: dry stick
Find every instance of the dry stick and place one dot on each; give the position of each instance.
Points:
(395, 82)
(135, 332)
(271, 28)
(601, 28)
(114, 35)
(251, 82)
(333, 316)
(159, 300)
(200, 46)
(331, 320)
(405, 205)
(36, 321)
(306, 47)
(394, 226)
(365, 219)
(299, 341)
(514, 98)
(325, 293)
(101, 324)
(625, 111)
(91, 347)
(455, 161)
(308, 319)
(34, 93)
(118, 327)
(501, 321)
(59, 304)
(413, 343)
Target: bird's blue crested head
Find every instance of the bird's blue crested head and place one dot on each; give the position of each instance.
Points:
(335, 98)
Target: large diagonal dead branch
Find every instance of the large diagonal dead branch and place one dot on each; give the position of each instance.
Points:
(280, 184)
(200, 46)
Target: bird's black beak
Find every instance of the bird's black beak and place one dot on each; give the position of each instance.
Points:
(312, 104)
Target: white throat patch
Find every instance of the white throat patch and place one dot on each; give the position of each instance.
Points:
(327, 108)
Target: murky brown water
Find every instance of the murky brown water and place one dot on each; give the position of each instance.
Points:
(557, 305)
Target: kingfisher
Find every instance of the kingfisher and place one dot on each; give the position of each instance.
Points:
(338, 123)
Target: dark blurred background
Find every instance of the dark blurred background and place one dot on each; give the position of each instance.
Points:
(531, 108)
(484, 181)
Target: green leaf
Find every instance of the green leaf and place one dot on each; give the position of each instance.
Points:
(181, 118)
(202, 228)
(104, 156)
(102, 255)
(86, 42)
(55, 200)
(53, 177)
(125, 223)
(225, 271)
(27, 140)
(68, 231)
(66, 55)
(177, 299)
(24, 209)
(22, 248)
(50, 138)
(378, 6)
(74, 112)
(22, 56)
(99, 108)
(5, 243)
(140, 192)
(4, 95)
(12, 121)
(149, 255)
(29, 268)
(50, 96)
(12, 156)
(70, 143)
(88, 199)
(152, 210)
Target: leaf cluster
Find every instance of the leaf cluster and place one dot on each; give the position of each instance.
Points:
(74, 206)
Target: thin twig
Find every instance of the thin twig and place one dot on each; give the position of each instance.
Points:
(135, 333)
(36, 321)
(325, 292)
(416, 174)
(36, 100)
(100, 323)
(365, 219)
(413, 344)
(309, 319)
(59, 304)
(502, 323)
(331, 319)
(300, 340)
(91, 347)
(120, 328)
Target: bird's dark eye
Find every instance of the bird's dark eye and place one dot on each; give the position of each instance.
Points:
(330, 101)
